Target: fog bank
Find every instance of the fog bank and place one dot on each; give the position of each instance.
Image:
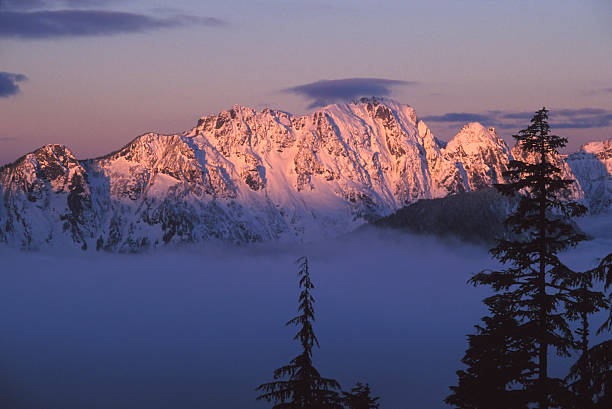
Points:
(202, 327)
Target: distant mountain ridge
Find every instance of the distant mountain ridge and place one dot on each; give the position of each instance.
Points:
(592, 167)
(246, 176)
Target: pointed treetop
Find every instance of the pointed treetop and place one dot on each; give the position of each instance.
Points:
(537, 138)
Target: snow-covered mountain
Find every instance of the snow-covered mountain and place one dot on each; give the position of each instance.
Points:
(592, 166)
(247, 176)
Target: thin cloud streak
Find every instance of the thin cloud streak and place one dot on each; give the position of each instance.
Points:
(50, 4)
(596, 121)
(572, 113)
(457, 117)
(9, 84)
(325, 92)
(517, 115)
(22, 4)
(579, 118)
(78, 23)
(88, 3)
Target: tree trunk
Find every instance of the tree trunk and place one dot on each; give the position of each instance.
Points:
(543, 342)
(583, 388)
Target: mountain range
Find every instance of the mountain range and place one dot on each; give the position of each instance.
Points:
(247, 176)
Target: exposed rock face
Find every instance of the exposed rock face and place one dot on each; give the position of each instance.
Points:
(592, 166)
(244, 176)
(479, 157)
(46, 198)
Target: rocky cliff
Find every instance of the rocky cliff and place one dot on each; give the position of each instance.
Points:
(246, 176)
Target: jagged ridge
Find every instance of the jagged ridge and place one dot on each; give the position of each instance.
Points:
(245, 176)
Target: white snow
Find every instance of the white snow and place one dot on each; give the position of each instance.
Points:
(244, 176)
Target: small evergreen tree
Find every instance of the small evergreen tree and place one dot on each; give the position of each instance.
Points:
(540, 288)
(304, 388)
(359, 398)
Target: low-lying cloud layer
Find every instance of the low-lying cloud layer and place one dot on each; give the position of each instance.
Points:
(203, 326)
(325, 92)
(9, 83)
(579, 118)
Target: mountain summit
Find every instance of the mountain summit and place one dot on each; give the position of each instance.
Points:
(245, 176)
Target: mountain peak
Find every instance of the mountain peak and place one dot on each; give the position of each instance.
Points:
(373, 100)
(474, 137)
(482, 155)
(592, 167)
(476, 127)
(244, 175)
(46, 153)
(598, 147)
(53, 147)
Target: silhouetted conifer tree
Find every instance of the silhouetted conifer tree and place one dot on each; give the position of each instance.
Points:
(540, 288)
(590, 378)
(304, 388)
(359, 398)
(497, 362)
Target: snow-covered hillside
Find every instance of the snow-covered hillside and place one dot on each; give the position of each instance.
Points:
(592, 166)
(247, 176)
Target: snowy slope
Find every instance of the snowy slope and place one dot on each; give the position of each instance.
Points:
(244, 176)
(592, 166)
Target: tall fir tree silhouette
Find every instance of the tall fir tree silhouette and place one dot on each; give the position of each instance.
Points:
(540, 289)
(305, 388)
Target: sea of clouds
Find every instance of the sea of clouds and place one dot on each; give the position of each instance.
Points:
(201, 327)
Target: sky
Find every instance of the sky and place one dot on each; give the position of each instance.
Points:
(94, 74)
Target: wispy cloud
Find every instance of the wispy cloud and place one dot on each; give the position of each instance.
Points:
(41, 19)
(578, 118)
(599, 91)
(457, 117)
(325, 92)
(600, 120)
(22, 4)
(572, 113)
(515, 115)
(73, 23)
(88, 3)
(9, 83)
(51, 4)
(7, 138)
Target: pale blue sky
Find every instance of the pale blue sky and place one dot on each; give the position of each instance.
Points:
(96, 92)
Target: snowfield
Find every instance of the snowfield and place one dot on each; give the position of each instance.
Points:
(246, 176)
